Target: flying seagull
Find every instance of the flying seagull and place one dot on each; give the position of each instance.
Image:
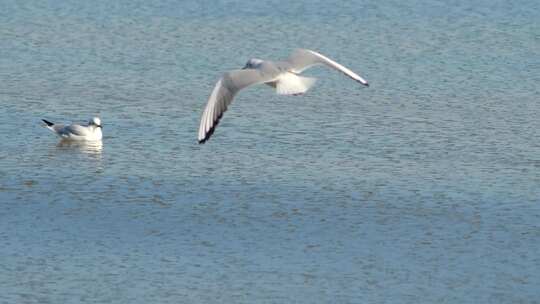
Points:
(92, 131)
(284, 76)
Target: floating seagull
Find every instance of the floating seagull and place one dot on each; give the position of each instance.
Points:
(284, 76)
(92, 131)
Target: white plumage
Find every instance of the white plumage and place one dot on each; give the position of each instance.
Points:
(282, 75)
(91, 131)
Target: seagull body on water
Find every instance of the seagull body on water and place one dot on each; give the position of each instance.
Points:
(284, 76)
(91, 131)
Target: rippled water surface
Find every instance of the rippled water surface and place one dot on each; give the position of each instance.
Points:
(423, 188)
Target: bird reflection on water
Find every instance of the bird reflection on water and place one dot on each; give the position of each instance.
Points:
(91, 148)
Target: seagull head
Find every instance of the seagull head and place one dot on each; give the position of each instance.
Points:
(95, 122)
(253, 63)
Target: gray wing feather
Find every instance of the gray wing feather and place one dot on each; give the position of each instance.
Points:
(56, 127)
(223, 94)
(302, 59)
(77, 130)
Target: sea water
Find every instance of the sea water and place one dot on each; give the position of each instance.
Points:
(422, 188)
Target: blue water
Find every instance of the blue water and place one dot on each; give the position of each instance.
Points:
(422, 188)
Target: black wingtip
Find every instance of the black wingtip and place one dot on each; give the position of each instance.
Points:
(363, 83)
(49, 124)
(212, 129)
